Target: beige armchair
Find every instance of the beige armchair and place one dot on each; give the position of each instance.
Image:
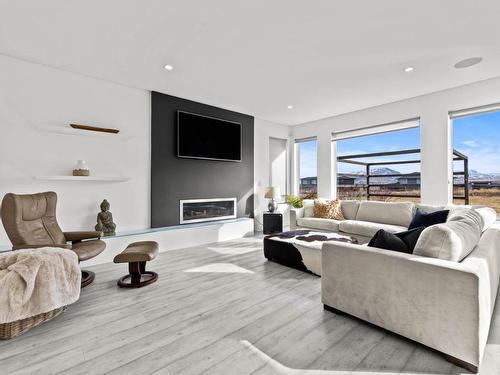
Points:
(30, 222)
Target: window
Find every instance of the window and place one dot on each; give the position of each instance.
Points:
(278, 164)
(306, 152)
(476, 159)
(379, 163)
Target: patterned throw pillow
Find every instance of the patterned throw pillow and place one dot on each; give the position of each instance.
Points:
(329, 209)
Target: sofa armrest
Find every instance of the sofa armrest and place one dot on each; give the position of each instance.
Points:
(28, 246)
(295, 213)
(435, 302)
(82, 235)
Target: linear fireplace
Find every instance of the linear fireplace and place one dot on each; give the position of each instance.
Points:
(197, 210)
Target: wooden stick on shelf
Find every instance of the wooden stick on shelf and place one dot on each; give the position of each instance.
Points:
(94, 128)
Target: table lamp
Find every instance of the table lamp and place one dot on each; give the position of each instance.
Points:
(272, 193)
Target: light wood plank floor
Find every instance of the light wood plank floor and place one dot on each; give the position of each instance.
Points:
(218, 309)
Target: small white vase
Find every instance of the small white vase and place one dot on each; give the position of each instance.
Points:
(81, 164)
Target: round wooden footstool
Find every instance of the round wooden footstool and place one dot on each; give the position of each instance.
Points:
(136, 255)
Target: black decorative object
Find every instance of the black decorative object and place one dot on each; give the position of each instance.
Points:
(273, 223)
(206, 137)
(403, 242)
(422, 219)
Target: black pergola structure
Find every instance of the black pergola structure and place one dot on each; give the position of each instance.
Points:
(354, 159)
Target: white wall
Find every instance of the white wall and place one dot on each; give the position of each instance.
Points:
(263, 131)
(31, 95)
(435, 134)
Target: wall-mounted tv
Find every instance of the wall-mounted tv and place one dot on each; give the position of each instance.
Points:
(203, 137)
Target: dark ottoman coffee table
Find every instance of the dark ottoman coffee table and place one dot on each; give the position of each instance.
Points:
(300, 249)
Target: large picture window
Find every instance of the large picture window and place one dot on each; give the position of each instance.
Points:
(379, 163)
(307, 168)
(278, 164)
(477, 137)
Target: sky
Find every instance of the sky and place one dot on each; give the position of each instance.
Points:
(477, 136)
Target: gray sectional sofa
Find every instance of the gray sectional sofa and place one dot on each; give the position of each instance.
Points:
(362, 218)
(441, 296)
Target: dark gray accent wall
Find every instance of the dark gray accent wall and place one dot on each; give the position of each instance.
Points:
(174, 178)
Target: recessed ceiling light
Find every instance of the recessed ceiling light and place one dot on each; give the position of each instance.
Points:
(168, 67)
(409, 69)
(290, 107)
(468, 62)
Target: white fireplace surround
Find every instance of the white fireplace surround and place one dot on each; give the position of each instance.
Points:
(184, 203)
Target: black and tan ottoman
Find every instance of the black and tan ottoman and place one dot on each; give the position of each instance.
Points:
(136, 255)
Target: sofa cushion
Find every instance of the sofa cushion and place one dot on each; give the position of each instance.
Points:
(488, 215)
(453, 240)
(308, 207)
(318, 223)
(328, 209)
(428, 208)
(456, 207)
(349, 209)
(422, 219)
(367, 228)
(403, 242)
(396, 213)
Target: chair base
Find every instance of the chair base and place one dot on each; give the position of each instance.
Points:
(135, 280)
(87, 278)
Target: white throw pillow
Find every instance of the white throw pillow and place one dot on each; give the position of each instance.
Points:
(453, 240)
(308, 207)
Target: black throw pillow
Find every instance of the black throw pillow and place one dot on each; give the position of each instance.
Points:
(404, 242)
(422, 219)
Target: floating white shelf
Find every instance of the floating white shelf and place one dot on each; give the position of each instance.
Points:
(84, 178)
(68, 130)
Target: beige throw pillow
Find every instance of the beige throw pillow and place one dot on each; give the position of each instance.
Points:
(328, 209)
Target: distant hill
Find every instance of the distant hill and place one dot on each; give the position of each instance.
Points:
(474, 175)
(384, 171)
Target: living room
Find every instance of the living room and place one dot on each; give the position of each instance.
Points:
(249, 187)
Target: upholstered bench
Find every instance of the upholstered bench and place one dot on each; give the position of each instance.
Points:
(136, 255)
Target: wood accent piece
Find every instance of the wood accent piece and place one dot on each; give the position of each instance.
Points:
(13, 329)
(136, 271)
(87, 278)
(94, 128)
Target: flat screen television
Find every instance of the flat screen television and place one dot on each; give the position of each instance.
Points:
(202, 137)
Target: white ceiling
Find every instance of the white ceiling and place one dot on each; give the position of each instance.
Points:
(324, 57)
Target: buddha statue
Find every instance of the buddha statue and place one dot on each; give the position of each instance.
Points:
(105, 220)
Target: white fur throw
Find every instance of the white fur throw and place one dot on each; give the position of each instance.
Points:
(36, 281)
